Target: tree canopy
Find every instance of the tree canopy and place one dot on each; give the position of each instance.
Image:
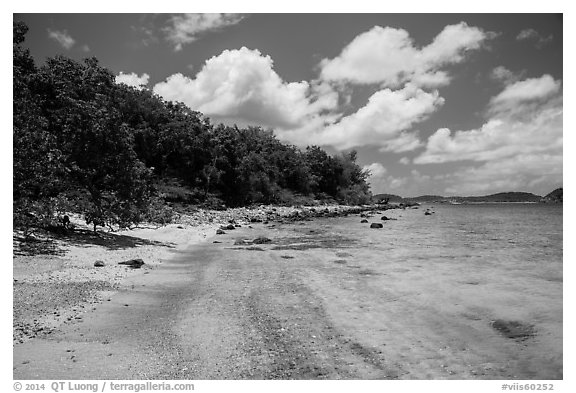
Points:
(85, 144)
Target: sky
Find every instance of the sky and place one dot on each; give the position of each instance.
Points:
(442, 104)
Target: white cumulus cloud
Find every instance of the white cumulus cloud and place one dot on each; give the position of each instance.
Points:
(376, 169)
(383, 121)
(533, 35)
(539, 173)
(381, 182)
(496, 139)
(241, 86)
(508, 132)
(527, 34)
(388, 56)
(519, 145)
(184, 29)
(62, 37)
(132, 79)
(528, 91)
(504, 75)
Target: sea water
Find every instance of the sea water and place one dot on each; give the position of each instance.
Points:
(463, 268)
(521, 238)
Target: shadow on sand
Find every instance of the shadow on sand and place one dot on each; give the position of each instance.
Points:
(55, 244)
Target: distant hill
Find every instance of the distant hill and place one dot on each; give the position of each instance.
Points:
(555, 196)
(427, 198)
(501, 197)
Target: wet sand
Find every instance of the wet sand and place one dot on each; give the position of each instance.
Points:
(316, 302)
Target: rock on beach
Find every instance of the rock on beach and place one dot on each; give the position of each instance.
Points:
(133, 263)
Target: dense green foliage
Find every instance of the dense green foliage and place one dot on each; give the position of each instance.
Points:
(114, 153)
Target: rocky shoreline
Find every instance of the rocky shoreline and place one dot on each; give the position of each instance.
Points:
(268, 213)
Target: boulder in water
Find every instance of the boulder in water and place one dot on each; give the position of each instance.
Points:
(376, 225)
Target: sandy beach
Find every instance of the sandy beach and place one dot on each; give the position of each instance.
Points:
(56, 282)
(312, 303)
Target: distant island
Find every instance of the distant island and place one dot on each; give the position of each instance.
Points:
(555, 196)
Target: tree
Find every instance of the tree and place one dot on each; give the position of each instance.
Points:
(37, 167)
(325, 171)
(104, 179)
(352, 186)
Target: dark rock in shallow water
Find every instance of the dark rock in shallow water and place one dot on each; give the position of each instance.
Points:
(230, 226)
(220, 232)
(376, 225)
(133, 263)
(514, 329)
(384, 218)
(261, 240)
(99, 263)
(239, 242)
(364, 222)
